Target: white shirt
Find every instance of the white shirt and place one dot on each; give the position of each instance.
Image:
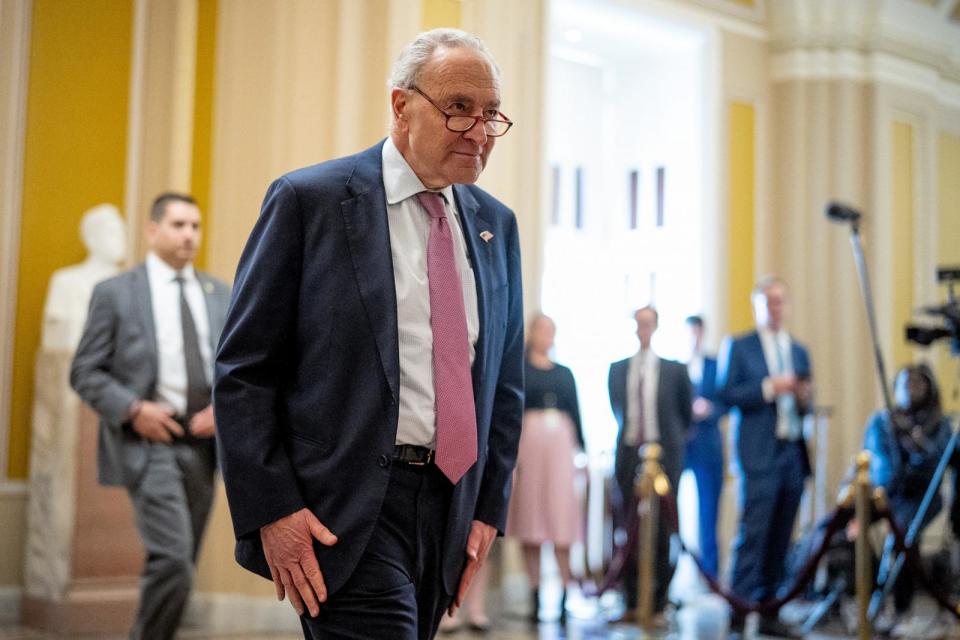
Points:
(648, 363)
(165, 300)
(695, 368)
(409, 234)
(772, 343)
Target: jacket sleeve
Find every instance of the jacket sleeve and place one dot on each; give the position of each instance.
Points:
(876, 440)
(90, 374)
(255, 344)
(507, 415)
(685, 395)
(735, 386)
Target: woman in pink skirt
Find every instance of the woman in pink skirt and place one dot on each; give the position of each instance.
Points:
(545, 506)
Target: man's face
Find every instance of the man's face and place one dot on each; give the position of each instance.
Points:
(911, 390)
(176, 237)
(461, 82)
(770, 307)
(646, 326)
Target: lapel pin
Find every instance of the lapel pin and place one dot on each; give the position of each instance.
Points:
(486, 236)
(208, 287)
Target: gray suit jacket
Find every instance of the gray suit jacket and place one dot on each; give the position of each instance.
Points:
(116, 363)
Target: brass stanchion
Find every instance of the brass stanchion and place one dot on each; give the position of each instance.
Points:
(650, 486)
(864, 558)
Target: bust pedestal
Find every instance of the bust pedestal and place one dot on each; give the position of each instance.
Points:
(83, 553)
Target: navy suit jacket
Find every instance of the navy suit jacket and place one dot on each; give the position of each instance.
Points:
(308, 369)
(741, 370)
(707, 389)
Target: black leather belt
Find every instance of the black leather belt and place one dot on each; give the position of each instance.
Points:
(412, 454)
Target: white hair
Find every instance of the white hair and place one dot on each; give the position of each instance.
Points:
(406, 70)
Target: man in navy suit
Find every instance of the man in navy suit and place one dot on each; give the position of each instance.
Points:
(370, 376)
(651, 401)
(764, 376)
(705, 449)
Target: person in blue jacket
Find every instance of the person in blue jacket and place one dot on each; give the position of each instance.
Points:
(906, 448)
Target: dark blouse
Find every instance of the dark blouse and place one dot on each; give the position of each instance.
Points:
(553, 389)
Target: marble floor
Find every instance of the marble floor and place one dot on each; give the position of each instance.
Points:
(703, 619)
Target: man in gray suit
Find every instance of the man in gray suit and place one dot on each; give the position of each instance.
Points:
(651, 399)
(145, 364)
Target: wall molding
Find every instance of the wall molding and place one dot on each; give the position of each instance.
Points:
(14, 71)
(135, 151)
(853, 65)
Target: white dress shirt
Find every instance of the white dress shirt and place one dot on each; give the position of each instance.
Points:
(695, 368)
(774, 342)
(648, 363)
(165, 300)
(409, 234)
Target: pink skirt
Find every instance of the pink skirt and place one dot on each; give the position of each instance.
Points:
(546, 505)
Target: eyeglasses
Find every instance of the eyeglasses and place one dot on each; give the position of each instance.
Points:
(493, 127)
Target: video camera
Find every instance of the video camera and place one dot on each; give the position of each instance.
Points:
(949, 311)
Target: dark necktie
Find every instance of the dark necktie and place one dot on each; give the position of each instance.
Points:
(198, 390)
(452, 380)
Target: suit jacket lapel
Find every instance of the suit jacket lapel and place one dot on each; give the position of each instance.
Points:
(143, 308)
(758, 345)
(473, 223)
(368, 234)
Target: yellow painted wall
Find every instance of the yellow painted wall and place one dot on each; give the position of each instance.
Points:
(902, 252)
(75, 150)
(440, 13)
(948, 251)
(203, 114)
(742, 215)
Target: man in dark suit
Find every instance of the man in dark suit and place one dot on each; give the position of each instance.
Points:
(145, 364)
(651, 400)
(764, 376)
(705, 449)
(370, 377)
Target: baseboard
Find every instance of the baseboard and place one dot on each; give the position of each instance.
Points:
(10, 599)
(231, 612)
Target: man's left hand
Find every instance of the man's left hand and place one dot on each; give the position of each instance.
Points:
(481, 537)
(202, 424)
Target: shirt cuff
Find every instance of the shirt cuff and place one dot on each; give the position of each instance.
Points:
(769, 395)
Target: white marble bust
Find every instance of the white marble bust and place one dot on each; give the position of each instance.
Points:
(103, 232)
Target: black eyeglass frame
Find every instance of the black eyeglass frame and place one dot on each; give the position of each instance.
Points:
(503, 117)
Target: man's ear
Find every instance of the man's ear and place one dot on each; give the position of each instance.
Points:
(398, 106)
(150, 229)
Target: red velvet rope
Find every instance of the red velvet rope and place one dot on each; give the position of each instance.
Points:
(839, 519)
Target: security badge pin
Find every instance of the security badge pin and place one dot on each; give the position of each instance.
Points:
(486, 236)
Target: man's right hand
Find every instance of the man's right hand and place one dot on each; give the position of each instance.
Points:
(784, 384)
(288, 547)
(154, 422)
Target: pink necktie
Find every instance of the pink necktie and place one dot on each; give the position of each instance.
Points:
(452, 380)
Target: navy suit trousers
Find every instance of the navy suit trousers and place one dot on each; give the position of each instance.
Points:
(769, 504)
(396, 591)
(705, 458)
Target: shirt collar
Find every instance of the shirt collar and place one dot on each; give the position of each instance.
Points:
(766, 333)
(399, 180)
(163, 272)
(645, 355)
